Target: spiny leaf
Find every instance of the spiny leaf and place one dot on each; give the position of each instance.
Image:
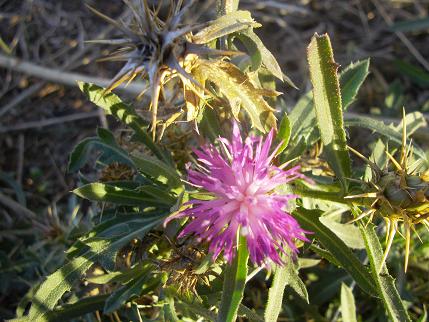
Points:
(81, 152)
(351, 79)
(384, 282)
(302, 116)
(61, 281)
(328, 106)
(283, 276)
(244, 311)
(84, 306)
(240, 92)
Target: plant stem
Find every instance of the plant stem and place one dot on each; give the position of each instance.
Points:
(226, 6)
(234, 283)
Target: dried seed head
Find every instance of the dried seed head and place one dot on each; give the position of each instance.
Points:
(116, 172)
(182, 268)
(156, 49)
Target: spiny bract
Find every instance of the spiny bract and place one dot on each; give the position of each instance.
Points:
(400, 194)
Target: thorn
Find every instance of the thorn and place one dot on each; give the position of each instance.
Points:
(397, 165)
(363, 195)
(370, 163)
(407, 243)
(404, 138)
(392, 231)
(362, 215)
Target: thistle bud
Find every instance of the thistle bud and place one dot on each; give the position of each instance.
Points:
(397, 197)
(401, 196)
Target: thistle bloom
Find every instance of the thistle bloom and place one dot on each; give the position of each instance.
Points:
(242, 181)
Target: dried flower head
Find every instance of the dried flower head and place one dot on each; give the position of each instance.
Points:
(160, 50)
(186, 268)
(400, 195)
(242, 181)
(116, 172)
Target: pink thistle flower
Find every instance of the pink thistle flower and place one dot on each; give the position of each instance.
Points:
(242, 180)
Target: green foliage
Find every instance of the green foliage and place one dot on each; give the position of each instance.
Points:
(283, 276)
(309, 219)
(131, 264)
(303, 117)
(144, 195)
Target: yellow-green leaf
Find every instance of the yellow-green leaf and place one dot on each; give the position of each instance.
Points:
(240, 92)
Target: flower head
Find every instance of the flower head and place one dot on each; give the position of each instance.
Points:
(242, 181)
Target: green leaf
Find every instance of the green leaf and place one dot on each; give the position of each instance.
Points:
(244, 311)
(267, 58)
(424, 316)
(348, 307)
(384, 282)
(112, 104)
(61, 281)
(84, 306)
(196, 308)
(240, 92)
(143, 283)
(157, 169)
(118, 276)
(234, 282)
(252, 50)
(303, 117)
(328, 106)
(81, 152)
(348, 233)
(418, 75)
(351, 79)
(169, 309)
(225, 25)
(283, 276)
(145, 196)
(209, 125)
(284, 133)
(309, 220)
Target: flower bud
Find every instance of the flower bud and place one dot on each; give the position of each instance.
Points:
(397, 196)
